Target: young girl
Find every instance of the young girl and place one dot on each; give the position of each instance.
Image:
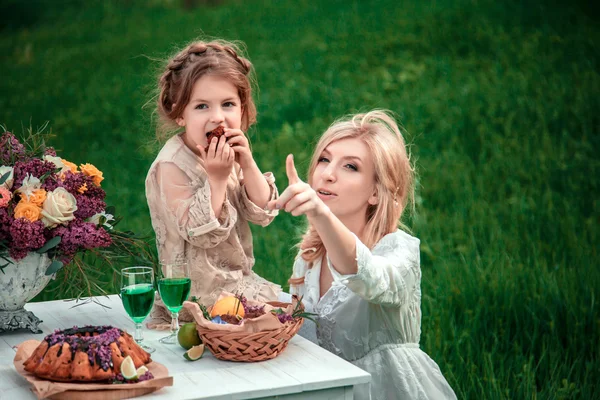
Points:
(201, 195)
(356, 270)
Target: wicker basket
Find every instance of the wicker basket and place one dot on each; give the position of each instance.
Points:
(241, 346)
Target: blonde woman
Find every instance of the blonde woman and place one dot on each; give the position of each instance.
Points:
(356, 270)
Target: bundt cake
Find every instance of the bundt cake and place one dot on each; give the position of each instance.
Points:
(89, 353)
(217, 132)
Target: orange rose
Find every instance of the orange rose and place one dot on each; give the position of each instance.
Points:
(27, 210)
(83, 188)
(38, 197)
(90, 170)
(69, 165)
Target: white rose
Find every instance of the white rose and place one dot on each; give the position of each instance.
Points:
(9, 182)
(57, 162)
(29, 185)
(58, 208)
(95, 219)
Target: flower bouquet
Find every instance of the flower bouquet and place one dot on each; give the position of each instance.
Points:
(237, 329)
(52, 213)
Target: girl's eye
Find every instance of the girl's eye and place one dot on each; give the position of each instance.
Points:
(229, 104)
(323, 159)
(201, 107)
(352, 167)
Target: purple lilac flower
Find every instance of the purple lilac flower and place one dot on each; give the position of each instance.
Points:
(17, 254)
(51, 183)
(26, 235)
(283, 318)
(6, 221)
(50, 152)
(88, 206)
(35, 167)
(10, 148)
(251, 310)
(80, 235)
(73, 182)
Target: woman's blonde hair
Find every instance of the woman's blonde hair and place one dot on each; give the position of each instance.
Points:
(394, 175)
(176, 81)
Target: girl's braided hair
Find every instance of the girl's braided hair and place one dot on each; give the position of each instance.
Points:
(219, 58)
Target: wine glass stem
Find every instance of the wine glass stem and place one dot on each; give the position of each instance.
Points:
(174, 322)
(139, 336)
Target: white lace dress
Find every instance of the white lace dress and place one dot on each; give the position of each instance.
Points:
(219, 251)
(373, 319)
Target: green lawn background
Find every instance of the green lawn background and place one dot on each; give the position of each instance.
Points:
(500, 102)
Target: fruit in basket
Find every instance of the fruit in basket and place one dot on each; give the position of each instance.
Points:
(188, 336)
(194, 353)
(229, 305)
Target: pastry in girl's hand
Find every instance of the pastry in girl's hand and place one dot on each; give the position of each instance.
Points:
(217, 132)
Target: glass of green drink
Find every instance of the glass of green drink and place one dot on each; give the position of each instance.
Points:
(174, 288)
(137, 295)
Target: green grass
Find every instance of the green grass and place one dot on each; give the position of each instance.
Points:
(501, 103)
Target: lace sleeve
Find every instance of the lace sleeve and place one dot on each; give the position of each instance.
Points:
(188, 207)
(387, 275)
(251, 212)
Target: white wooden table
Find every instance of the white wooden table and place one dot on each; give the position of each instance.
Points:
(303, 371)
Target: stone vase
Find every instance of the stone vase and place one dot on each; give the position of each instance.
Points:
(22, 281)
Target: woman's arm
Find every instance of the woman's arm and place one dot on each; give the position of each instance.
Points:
(299, 198)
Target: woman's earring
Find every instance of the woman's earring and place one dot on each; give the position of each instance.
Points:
(396, 196)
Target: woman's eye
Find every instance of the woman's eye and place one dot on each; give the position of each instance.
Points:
(201, 106)
(323, 159)
(229, 104)
(352, 167)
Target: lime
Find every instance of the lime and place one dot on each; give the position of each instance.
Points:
(194, 353)
(128, 368)
(188, 336)
(141, 370)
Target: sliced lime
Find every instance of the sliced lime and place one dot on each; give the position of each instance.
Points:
(141, 370)
(128, 368)
(194, 353)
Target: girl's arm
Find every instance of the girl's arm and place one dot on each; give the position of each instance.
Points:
(251, 212)
(256, 186)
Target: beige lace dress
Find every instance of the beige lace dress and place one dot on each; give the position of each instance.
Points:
(219, 251)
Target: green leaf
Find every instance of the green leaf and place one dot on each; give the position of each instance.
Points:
(110, 210)
(4, 177)
(49, 245)
(54, 267)
(47, 174)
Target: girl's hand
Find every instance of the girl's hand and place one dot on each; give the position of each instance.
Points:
(218, 160)
(240, 145)
(298, 198)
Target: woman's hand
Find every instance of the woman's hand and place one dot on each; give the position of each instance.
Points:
(218, 160)
(240, 145)
(298, 198)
